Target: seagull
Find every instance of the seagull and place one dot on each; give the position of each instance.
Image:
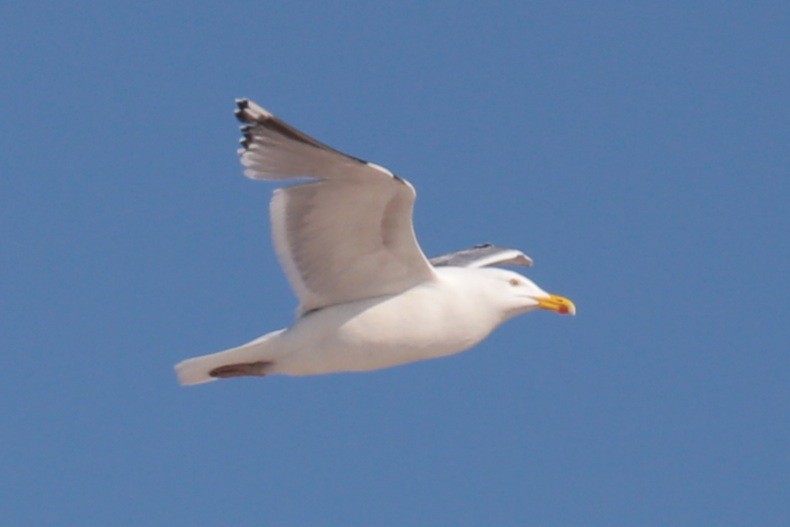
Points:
(368, 296)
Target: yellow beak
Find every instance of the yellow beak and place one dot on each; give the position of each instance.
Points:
(557, 303)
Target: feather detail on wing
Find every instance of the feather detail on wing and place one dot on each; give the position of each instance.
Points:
(344, 235)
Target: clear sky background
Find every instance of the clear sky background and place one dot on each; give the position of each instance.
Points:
(638, 151)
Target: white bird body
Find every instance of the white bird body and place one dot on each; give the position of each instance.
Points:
(433, 319)
(369, 297)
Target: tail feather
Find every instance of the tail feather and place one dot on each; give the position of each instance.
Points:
(207, 368)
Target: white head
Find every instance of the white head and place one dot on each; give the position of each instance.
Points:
(515, 294)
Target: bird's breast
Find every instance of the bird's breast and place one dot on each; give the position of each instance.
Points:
(429, 320)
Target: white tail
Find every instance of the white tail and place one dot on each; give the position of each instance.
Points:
(198, 370)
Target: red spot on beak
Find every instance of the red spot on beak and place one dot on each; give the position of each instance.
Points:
(563, 310)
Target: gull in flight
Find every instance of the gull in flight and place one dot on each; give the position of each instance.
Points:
(369, 298)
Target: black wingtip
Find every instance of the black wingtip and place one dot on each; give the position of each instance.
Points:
(247, 140)
(241, 107)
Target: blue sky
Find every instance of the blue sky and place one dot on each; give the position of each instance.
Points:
(638, 152)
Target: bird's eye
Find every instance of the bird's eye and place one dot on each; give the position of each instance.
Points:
(514, 281)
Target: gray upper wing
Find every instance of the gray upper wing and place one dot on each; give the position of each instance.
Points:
(483, 255)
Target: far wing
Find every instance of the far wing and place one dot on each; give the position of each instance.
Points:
(345, 235)
(483, 255)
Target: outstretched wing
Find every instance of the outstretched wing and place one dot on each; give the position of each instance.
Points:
(483, 255)
(344, 235)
